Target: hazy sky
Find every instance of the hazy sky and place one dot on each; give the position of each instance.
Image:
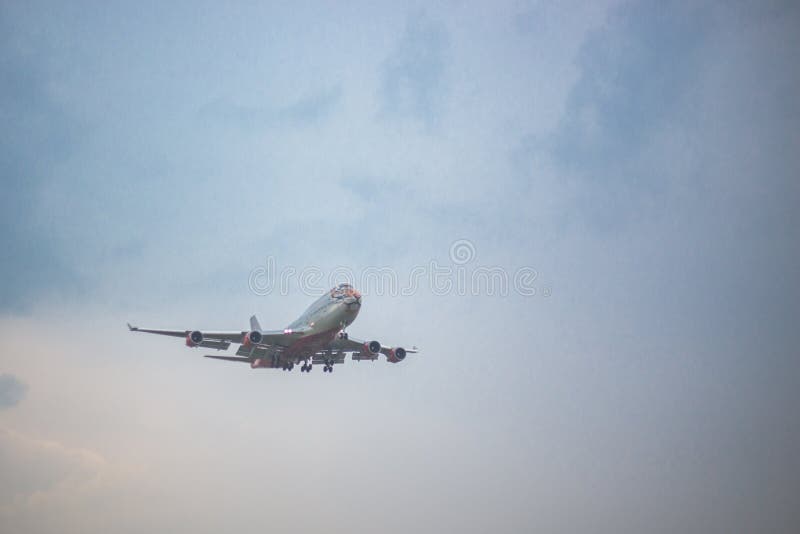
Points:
(642, 157)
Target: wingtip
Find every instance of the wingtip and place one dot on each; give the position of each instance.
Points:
(132, 328)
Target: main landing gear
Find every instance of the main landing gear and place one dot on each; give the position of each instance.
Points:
(306, 367)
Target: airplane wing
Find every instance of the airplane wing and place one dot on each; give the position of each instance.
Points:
(361, 351)
(221, 340)
(270, 350)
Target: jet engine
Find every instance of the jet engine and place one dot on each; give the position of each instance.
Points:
(373, 347)
(194, 338)
(252, 338)
(396, 355)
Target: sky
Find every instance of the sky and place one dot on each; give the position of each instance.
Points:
(637, 161)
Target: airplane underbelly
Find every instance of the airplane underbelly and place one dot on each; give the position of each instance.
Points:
(312, 343)
(325, 328)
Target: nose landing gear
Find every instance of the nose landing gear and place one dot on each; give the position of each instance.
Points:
(343, 326)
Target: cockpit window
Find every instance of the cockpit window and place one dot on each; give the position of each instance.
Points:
(341, 291)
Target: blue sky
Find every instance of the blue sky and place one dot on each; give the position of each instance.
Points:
(642, 157)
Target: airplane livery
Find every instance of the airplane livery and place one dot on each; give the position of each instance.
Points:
(316, 337)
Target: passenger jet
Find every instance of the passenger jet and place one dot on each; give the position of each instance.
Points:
(316, 337)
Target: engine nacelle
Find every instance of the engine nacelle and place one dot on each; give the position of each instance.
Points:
(373, 347)
(396, 355)
(252, 338)
(194, 338)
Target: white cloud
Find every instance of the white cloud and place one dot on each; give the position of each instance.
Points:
(50, 487)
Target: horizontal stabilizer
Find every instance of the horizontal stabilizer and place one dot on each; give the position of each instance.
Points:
(229, 358)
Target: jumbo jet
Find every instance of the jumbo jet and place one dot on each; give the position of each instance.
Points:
(316, 337)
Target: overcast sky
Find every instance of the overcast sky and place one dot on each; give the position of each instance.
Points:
(642, 158)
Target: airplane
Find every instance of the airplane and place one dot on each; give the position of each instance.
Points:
(318, 336)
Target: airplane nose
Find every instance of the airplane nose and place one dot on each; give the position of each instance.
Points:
(353, 299)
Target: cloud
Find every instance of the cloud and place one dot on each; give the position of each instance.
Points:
(33, 468)
(668, 103)
(36, 134)
(306, 110)
(12, 391)
(48, 486)
(413, 81)
(634, 72)
(662, 365)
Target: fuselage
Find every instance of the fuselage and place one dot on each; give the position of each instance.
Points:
(324, 319)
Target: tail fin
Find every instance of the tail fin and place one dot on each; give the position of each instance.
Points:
(254, 324)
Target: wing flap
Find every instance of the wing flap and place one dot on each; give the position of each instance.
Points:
(252, 352)
(358, 356)
(321, 358)
(219, 345)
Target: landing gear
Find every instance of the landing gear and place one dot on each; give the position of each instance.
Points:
(306, 368)
(343, 335)
(327, 369)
